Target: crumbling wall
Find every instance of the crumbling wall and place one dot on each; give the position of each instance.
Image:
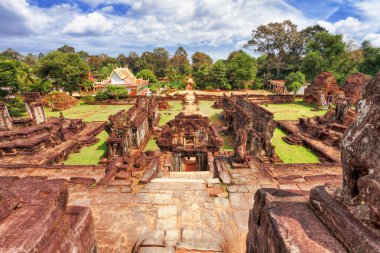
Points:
(361, 152)
(35, 107)
(257, 122)
(34, 217)
(5, 119)
(324, 84)
(130, 129)
(353, 86)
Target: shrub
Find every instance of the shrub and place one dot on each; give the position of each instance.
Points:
(16, 107)
(101, 95)
(88, 99)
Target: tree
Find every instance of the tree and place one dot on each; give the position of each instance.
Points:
(122, 59)
(9, 53)
(202, 76)
(66, 49)
(9, 81)
(66, 70)
(160, 61)
(199, 59)
(43, 86)
(241, 69)
(171, 73)
(105, 72)
(310, 32)
(278, 41)
(116, 92)
(133, 62)
(180, 61)
(311, 65)
(328, 52)
(371, 62)
(147, 75)
(294, 81)
(218, 77)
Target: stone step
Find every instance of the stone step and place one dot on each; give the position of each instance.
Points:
(178, 180)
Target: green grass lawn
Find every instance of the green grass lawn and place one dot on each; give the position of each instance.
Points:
(228, 142)
(176, 108)
(151, 145)
(89, 155)
(293, 111)
(89, 112)
(205, 108)
(292, 153)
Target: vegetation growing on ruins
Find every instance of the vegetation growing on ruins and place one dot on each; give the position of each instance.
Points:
(291, 153)
(89, 155)
(293, 111)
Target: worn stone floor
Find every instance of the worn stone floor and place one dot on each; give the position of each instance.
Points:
(182, 212)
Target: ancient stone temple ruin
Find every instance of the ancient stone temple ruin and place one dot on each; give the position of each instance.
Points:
(323, 89)
(130, 129)
(330, 219)
(251, 125)
(34, 107)
(35, 217)
(5, 119)
(353, 86)
(189, 138)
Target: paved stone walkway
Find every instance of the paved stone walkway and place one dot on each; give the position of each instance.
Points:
(176, 215)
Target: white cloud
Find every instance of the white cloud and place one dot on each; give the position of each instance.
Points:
(212, 24)
(90, 24)
(108, 8)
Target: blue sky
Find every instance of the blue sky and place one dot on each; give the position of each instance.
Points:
(214, 26)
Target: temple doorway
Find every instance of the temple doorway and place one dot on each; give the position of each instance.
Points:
(189, 161)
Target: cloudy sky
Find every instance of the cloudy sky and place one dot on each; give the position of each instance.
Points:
(214, 26)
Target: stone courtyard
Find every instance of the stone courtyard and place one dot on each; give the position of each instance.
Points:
(144, 201)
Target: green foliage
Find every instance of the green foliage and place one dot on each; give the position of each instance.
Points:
(280, 42)
(101, 95)
(16, 107)
(218, 76)
(180, 62)
(199, 59)
(294, 81)
(43, 86)
(87, 85)
(65, 70)
(328, 52)
(88, 99)
(258, 83)
(105, 72)
(202, 77)
(116, 92)
(147, 74)
(371, 63)
(9, 77)
(241, 70)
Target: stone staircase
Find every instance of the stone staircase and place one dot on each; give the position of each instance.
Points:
(179, 240)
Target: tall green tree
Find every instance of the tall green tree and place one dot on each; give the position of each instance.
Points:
(147, 74)
(64, 70)
(294, 81)
(202, 77)
(180, 61)
(9, 81)
(218, 76)
(241, 70)
(199, 59)
(371, 63)
(160, 61)
(328, 52)
(133, 62)
(278, 41)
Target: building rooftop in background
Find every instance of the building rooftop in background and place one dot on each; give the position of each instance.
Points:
(125, 77)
